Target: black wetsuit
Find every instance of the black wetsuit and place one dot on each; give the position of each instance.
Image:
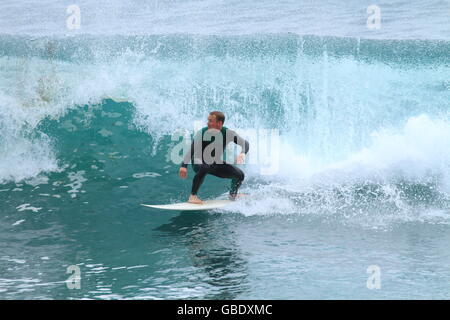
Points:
(209, 162)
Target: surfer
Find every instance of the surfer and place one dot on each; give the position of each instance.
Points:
(209, 161)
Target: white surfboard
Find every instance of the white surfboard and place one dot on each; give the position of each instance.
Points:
(186, 206)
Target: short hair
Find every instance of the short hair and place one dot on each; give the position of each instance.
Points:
(219, 116)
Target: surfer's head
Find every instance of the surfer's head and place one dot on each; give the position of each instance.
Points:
(216, 120)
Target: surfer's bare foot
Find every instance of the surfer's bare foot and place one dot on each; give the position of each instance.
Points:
(235, 196)
(194, 199)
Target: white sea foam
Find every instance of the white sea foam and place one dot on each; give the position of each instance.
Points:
(369, 186)
(27, 206)
(18, 222)
(146, 174)
(77, 180)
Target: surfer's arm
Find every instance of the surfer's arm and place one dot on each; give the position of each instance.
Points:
(188, 156)
(245, 146)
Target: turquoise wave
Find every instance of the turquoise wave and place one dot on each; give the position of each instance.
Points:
(188, 47)
(352, 114)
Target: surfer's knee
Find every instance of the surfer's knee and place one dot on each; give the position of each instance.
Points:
(201, 168)
(204, 167)
(240, 175)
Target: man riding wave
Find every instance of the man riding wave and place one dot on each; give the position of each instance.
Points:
(206, 152)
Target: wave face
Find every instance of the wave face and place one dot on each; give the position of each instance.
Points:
(362, 123)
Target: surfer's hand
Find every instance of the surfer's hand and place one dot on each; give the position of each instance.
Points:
(183, 173)
(240, 158)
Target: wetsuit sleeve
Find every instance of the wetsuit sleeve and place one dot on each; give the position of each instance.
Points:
(241, 142)
(188, 156)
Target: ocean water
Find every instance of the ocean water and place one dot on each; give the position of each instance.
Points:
(357, 205)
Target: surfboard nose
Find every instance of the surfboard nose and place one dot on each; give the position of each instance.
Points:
(187, 206)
